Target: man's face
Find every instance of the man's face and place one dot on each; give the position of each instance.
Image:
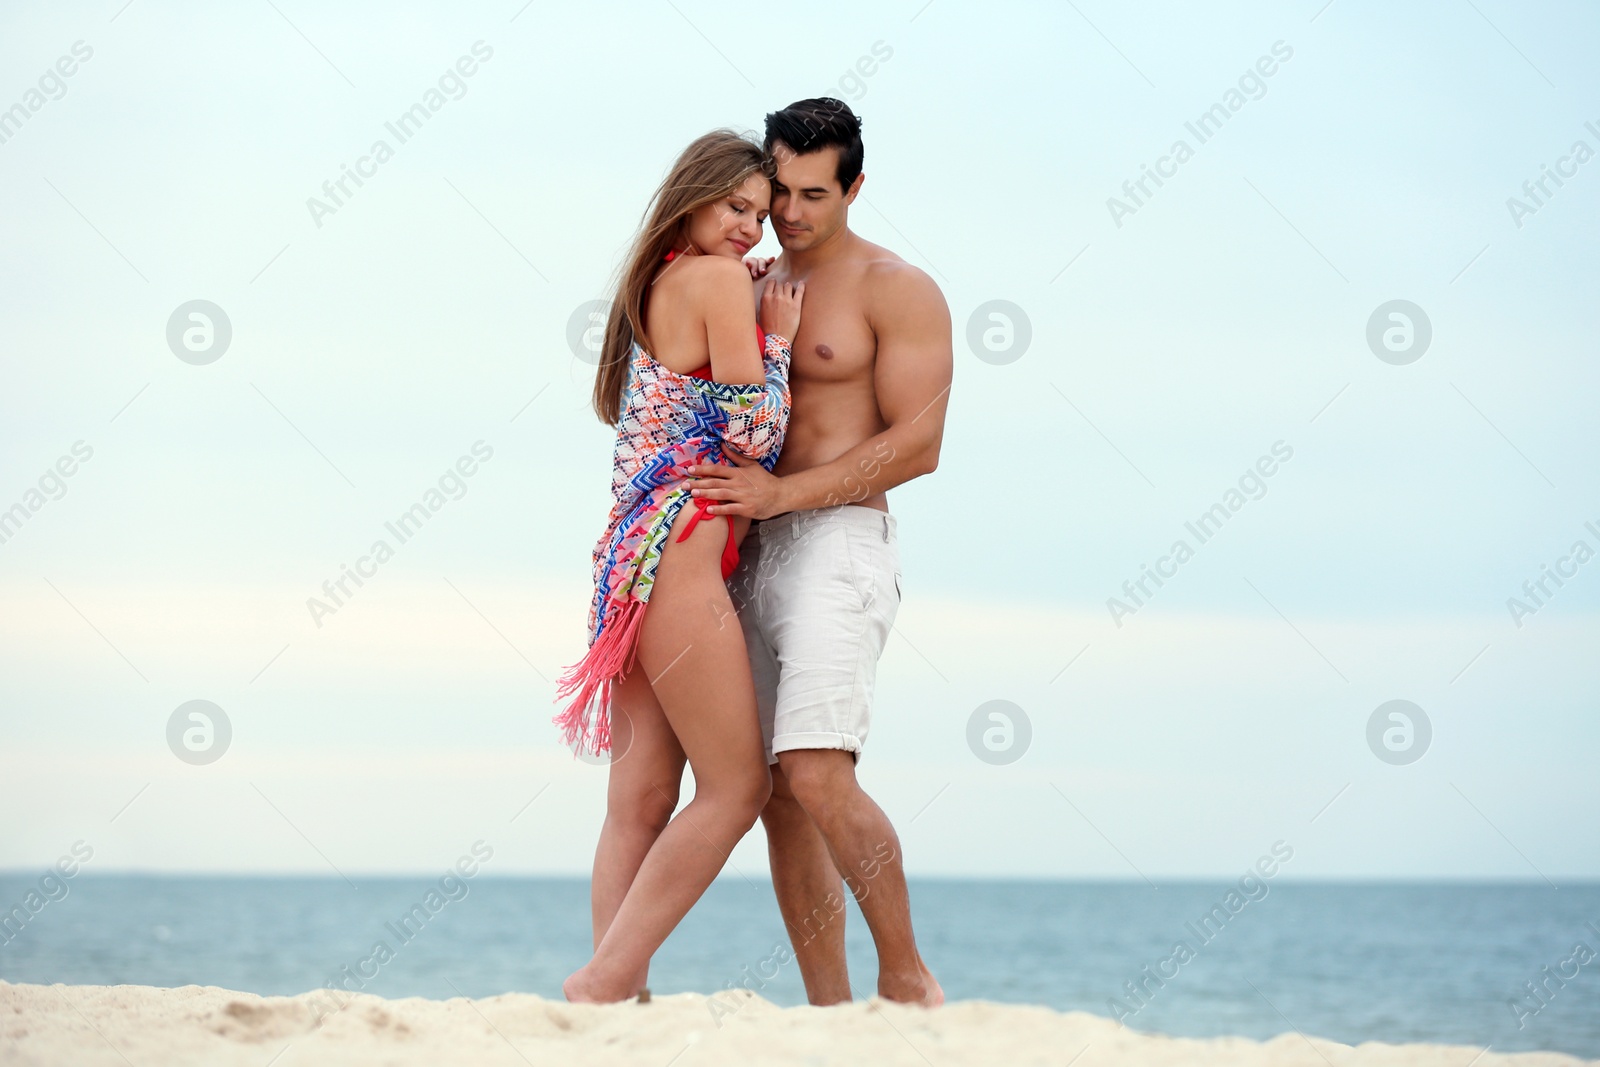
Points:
(808, 206)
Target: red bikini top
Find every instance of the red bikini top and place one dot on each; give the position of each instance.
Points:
(705, 371)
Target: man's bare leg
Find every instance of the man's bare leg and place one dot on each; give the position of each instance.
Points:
(810, 894)
(867, 852)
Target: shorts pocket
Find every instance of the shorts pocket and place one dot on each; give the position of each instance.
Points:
(858, 565)
(874, 570)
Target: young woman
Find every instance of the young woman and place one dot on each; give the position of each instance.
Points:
(684, 368)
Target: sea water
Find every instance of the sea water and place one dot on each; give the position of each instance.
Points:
(1478, 965)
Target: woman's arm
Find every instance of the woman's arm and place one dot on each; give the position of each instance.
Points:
(751, 388)
(911, 380)
(758, 418)
(722, 299)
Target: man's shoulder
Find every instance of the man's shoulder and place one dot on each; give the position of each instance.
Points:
(898, 276)
(894, 289)
(885, 273)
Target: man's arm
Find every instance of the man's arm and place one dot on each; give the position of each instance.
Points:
(911, 376)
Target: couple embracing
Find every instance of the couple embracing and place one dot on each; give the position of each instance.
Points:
(763, 408)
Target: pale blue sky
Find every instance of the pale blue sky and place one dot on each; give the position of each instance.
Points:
(1168, 353)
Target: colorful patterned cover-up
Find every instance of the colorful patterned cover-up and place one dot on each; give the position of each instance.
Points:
(669, 423)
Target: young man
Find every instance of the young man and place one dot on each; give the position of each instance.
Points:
(818, 584)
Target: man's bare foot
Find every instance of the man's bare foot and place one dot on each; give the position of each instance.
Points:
(922, 989)
(583, 986)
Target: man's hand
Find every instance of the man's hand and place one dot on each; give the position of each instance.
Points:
(759, 265)
(745, 489)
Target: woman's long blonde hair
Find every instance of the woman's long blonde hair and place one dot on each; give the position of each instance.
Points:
(708, 170)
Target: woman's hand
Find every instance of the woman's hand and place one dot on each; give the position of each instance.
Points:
(759, 265)
(780, 308)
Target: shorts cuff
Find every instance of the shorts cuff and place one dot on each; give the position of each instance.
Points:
(814, 739)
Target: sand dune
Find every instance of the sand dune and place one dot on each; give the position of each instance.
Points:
(138, 1025)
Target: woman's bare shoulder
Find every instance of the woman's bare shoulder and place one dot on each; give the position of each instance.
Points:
(710, 272)
(709, 281)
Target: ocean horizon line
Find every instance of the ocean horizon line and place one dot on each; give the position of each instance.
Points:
(1465, 881)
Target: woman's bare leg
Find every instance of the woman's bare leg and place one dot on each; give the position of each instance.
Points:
(641, 795)
(700, 674)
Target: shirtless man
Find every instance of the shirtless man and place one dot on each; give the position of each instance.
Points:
(818, 584)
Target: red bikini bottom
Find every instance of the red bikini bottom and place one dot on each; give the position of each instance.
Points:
(730, 551)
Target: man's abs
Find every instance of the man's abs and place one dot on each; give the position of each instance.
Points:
(827, 420)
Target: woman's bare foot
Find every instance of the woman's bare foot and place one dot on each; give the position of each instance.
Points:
(933, 992)
(583, 986)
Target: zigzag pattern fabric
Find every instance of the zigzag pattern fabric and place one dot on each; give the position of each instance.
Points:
(669, 422)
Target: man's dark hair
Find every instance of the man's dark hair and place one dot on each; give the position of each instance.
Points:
(809, 125)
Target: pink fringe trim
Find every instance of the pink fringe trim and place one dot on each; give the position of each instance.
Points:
(610, 657)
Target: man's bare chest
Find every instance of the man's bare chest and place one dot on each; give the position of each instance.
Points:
(835, 341)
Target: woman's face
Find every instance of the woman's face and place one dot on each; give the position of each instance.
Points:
(732, 226)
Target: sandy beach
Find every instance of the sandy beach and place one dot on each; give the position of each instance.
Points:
(122, 1025)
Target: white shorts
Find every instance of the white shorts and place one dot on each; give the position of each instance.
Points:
(817, 592)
